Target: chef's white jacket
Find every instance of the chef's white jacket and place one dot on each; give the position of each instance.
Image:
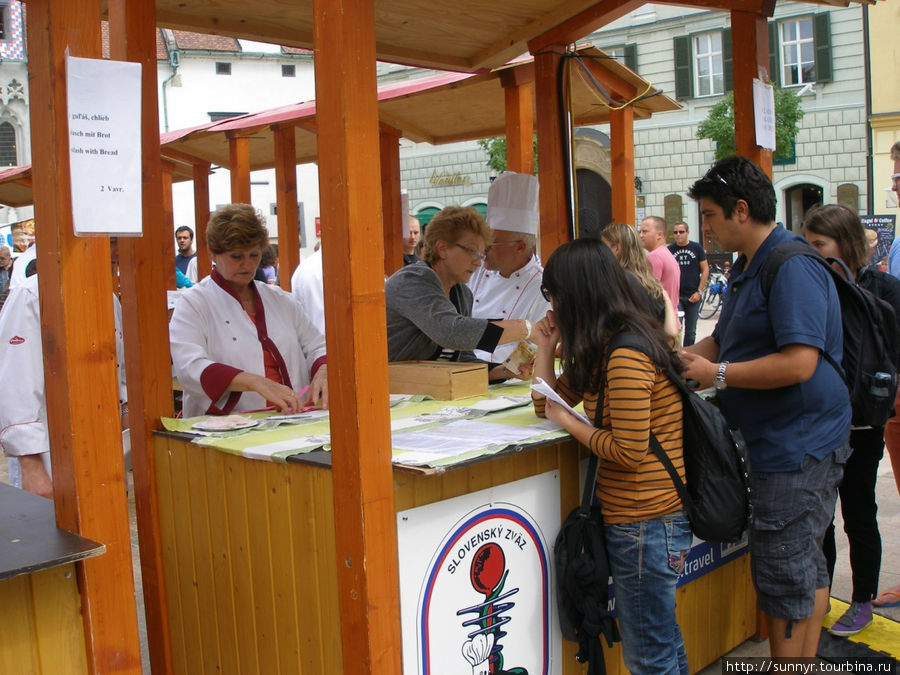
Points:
(23, 407)
(210, 329)
(496, 297)
(307, 287)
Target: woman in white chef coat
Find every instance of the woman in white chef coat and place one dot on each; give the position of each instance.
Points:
(238, 344)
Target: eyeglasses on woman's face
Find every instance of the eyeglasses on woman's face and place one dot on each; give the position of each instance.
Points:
(475, 255)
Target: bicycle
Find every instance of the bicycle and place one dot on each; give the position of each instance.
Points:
(711, 299)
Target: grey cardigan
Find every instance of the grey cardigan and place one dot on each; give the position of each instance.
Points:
(421, 320)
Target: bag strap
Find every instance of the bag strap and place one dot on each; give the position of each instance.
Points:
(636, 342)
(663, 458)
(590, 478)
(781, 254)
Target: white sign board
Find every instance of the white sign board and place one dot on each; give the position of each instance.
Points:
(476, 589)
(764, 113)
(104, 110)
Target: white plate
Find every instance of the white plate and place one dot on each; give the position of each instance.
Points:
(222, 424)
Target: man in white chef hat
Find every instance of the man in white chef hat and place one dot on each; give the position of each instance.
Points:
(508, 285)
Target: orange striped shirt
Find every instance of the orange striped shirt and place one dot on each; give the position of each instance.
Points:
(632, 485)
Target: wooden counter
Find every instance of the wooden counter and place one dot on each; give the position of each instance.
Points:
(249, 558)
(40, 620)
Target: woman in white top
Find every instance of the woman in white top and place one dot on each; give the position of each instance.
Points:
(238, 344)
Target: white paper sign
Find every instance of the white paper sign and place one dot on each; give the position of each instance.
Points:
(764, 113)
(104, 108)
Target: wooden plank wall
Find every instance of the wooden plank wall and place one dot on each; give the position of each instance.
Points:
(250, 563)
(249, 555)
(42, 631)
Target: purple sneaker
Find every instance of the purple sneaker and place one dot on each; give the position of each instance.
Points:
(857, 617)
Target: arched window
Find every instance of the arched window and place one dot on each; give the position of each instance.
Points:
(8, 154)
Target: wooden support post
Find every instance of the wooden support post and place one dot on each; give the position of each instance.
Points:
(79, 347)
(350, 197)
(621, 132)
(239, 165)
(519, 127)
(168, 207)
(389, 138)
(286, 202)
(554, 229)
(750, 40)
(146, 264)
(201, 217)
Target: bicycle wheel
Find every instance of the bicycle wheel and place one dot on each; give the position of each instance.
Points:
(709, 304)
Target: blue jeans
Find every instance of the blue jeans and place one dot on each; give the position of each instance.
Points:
(691, 314)
(646, 559)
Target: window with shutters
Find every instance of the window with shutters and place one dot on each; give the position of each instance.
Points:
(708, 78)
(703, 64)
(800, 50)
(624, 54)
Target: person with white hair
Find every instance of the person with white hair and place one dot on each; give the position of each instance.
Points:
(508, 285)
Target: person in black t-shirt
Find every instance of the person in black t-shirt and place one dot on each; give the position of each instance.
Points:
(694, 272)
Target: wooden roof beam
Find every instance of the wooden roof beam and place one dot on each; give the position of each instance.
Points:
(764, 7)
(617, 86)
(583, 23)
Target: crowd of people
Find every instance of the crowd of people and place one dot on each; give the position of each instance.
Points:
(473, 288)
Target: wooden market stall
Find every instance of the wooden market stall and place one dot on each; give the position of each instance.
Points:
(465, 35)
(436, 109)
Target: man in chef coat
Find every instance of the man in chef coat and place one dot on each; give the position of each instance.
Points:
(508, 284)
(24, 438)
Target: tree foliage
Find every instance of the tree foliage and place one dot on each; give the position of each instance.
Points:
(719, 124)
(496, 151)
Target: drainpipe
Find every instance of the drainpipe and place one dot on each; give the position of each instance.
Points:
(867, 70)
(174, 61)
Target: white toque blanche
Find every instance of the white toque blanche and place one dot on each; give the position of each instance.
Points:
(513, 203)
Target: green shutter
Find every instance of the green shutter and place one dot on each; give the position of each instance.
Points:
(774, 61)
(684, 75)
(822, 34)
(727, 64)
(631, 56)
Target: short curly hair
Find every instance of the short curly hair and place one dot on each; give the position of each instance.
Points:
(449, 225)
(235, 226)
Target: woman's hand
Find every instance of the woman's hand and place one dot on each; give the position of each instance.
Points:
(546, 333)
(556, 413)
(318, 388)
(283, 398)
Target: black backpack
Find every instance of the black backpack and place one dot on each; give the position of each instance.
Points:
(582, 580)
(871, 353)
(717, 471)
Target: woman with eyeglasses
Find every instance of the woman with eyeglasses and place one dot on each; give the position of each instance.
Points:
(429, 305)
(646, 530)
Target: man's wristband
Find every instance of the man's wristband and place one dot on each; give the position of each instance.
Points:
(527, 329)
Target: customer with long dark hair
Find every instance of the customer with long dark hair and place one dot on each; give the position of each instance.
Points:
(647, 532)
(835, 231)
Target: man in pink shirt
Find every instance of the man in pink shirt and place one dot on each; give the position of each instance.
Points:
(665, 267)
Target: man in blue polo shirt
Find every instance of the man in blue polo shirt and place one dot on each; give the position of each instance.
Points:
(764, 357)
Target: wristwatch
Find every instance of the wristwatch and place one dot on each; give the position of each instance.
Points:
(719, 381)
